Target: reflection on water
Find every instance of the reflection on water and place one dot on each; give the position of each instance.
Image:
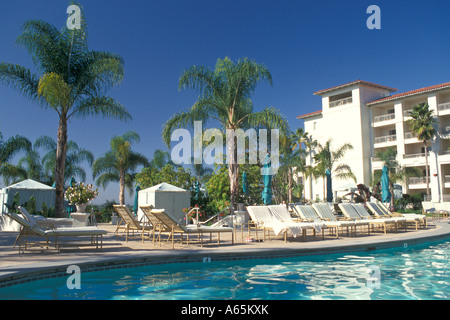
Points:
(409, 273)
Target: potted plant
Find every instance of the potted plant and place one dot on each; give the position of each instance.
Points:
(80, 195)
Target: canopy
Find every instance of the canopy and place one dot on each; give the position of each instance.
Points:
(385, 193)
(165, 196)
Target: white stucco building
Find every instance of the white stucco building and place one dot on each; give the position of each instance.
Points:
(372, 118)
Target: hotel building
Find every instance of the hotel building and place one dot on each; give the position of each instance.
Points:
(372, 118)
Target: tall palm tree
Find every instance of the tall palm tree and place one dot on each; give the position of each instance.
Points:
(118, 164)
(329, 159)
(225, 96)
(75, 156)
(8, 149)
(422, 125)
(306, 145)
(72, 81)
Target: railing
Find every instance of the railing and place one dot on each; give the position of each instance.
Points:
(413, 155)
(446, 178)
(406, 113)
(417, 180)
(384, 117)
(341, 102)
(390, 138)
(409, 135)
(444, 106)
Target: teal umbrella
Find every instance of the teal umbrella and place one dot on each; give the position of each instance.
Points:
(71, 208)
(385, 193)
(245, 183)
(197, 190)
(135, 206)
(267, 178)
(329, 186)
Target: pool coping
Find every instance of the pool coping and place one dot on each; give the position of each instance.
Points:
(13, 275)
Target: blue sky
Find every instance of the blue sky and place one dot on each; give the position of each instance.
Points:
(307, 46)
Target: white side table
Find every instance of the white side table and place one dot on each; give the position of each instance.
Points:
(80, 219)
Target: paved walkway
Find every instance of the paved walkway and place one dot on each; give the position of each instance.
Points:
(34, 262)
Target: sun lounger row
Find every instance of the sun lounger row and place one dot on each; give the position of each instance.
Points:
(436, 208)
(159, 223)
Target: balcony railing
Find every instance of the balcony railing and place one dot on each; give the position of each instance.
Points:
(446, 178)
(341, 102)
(384, 117)
(391, 138)
(409, 135)
(444, 106)
(406, 113)
(413, 155)
(417, 180)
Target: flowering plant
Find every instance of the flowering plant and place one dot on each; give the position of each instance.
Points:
(192, 214)
(81, 193)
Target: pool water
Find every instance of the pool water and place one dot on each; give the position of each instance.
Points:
(416, 272)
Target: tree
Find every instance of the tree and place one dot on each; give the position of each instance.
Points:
(176, 176)
(397, 173)
(329, 159)
(225, 95)
(422, 125)
(8, 149)
(119, 164)
(72, 82)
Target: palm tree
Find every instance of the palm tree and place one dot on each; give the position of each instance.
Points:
(327, 159)
(306, 145)
(118, 164)
(422, 125)
(225, 96)
(72, 82)
(75, 156)
(8, 149)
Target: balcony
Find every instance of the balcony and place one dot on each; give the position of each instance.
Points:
(444, 106)
(406, 113)
(417, 180)
(341, 102)
(413, 155)
(390, 138)
(384, 117)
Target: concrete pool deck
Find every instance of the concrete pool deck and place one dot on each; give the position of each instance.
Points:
(36, 264)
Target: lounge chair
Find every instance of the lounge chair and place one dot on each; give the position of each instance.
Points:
(325, 212)
(351, 214)
(384, 222)
(282, 213)
(157, 225)
(168, 224)
(264, 218)
(442, 209)
(308, 213)
(30, 229)
(380, 209)
(46, 223)
(131, 223)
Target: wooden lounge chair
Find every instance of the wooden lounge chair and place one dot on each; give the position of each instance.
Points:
(308, 213)
(325, 212)
(157, 225)
(384, 222)
(282, 213)
(29, 229)
(131, 223)
(380, 210)
(351, 214)
(173, 227)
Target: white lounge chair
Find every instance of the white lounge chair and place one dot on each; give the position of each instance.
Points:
(384, 222)
(30, 229)
(308, 213)
(46, 223)
(417, 219)
(131, 223)
(351, 214)
(325, 212)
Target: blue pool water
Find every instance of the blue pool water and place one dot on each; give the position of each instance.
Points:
(416, 272)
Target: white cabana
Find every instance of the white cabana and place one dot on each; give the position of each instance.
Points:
(26, 189)
(165, 196)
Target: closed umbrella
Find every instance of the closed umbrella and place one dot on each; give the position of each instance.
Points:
(267, 178)
(385, 193)
(329, 186)
(71, 208)
(245, 183)
(135, 206)
(197, 190)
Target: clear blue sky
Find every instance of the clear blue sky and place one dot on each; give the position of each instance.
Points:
(306, 45)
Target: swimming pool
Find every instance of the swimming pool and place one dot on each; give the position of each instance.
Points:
(416, 272)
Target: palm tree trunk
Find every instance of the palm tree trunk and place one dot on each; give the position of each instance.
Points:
(426, 172)
(61, 145)
(122, 188)
(289, 185)
(233, 171)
